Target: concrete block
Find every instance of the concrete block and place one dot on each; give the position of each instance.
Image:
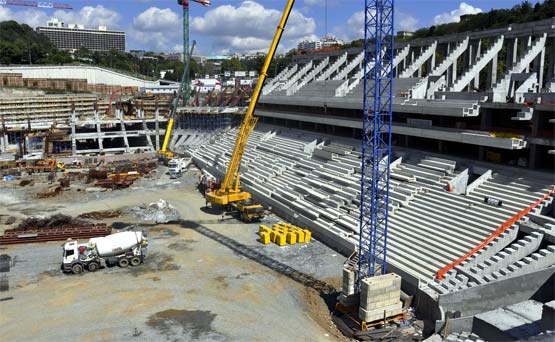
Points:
(381, 313)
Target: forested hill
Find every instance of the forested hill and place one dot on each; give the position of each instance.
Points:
(522, 13)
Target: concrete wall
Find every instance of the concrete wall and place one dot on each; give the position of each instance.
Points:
(93, 75)
(497, 294)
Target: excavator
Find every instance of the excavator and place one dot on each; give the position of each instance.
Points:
(164, 155)
(230, 194)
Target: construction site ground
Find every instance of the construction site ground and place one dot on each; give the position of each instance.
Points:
(203, 279)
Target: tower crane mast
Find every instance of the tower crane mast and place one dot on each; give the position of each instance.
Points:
(186, 84)
(376, 138)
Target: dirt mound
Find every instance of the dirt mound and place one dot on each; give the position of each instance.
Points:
(54, 221)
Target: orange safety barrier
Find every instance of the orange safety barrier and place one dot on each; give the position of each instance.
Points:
(441, 272)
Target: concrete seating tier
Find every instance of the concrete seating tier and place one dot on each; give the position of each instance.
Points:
(320, 188)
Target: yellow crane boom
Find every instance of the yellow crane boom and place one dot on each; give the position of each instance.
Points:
(230, 191)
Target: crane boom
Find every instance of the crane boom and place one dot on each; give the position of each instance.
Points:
(164, 151)
(229, 191)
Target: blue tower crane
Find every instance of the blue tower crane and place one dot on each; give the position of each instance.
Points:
(376, 137)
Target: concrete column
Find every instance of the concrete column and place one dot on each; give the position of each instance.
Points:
(532, 160)
(453, 74)
(468, 59)
(481, 153)
(98, 131)
(420, 68)
(73, 131)
(539, 63)
(492, 72)
(512, 50)
(524, 45)
(124, 131)
(551, 66)
(432, 63)
(157, 129)
(476, 57)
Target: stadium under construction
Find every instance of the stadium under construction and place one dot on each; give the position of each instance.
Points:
(471, 227)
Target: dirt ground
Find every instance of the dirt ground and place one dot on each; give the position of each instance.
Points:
(204, 279)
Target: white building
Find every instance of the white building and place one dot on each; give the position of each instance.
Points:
(319, 44)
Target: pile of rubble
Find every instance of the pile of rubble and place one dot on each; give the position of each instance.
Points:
(159, 212)
(54, 221)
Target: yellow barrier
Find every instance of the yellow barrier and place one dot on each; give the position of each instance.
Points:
(283, 233)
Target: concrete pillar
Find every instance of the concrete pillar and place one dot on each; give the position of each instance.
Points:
(539, 63)
(420, 68)
(492, 71)
(440, 146)
(98, 131)
(532, 160)
(453, 74)
(125, 139)
(524, 45)
(476, 57)
(512, 50)
(551, 66)
(157, 129)
(481, 153)
(73, 131)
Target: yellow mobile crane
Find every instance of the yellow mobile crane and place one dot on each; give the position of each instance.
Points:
(165, 154)
(230, 193)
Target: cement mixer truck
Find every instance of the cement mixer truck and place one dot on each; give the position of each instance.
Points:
(122, 249)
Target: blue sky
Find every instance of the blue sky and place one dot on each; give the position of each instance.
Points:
(242, 26)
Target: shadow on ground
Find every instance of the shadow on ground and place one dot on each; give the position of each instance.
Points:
(326, 291)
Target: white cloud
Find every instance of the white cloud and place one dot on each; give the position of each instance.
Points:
(353, 29)
(157, 29)
(90, 16)
(156, 19)
(31, 17)
(250, 27)
(405, 22)
(455, 15)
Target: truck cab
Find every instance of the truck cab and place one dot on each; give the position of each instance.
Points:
(248, 210)
(75, 256)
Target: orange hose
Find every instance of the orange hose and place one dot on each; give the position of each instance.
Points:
(503, 227)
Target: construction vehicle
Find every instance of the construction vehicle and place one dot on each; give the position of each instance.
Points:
(177, 166)
(248, 210)
(165, 154)
(230, 194)
(44, 165)
(122, 249)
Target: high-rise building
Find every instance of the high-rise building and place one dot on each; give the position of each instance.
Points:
(76, 36)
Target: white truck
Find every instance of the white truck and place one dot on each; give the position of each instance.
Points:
(177, 166)
(122, 249)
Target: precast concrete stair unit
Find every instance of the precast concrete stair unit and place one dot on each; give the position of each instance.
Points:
(451, 58)
(420, 60)
(502, 88)
(309, 77)
(355, 62)
(295, 77)
(478, 65)
(332, 68)
(280, 79)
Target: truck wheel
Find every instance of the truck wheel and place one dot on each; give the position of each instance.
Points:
(123, 263)
(76, 268)
(93, 266)
(135, 261)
